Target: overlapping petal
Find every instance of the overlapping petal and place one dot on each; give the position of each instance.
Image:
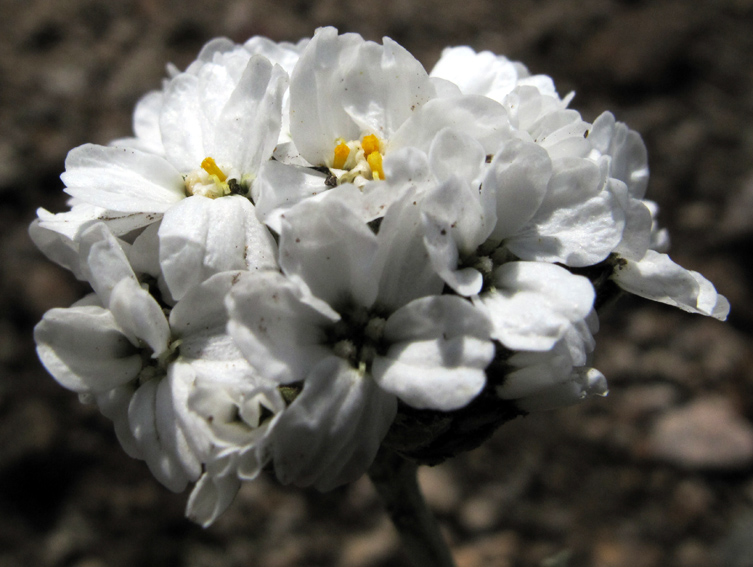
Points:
(533, 304)
(332, 431)
(276, 330)
(85, 349)
(122, 179)
(201, 237)
(439, 349)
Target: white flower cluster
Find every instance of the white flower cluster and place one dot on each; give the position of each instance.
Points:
(301, 240)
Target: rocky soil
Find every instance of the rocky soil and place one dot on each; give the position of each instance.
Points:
(659, 474)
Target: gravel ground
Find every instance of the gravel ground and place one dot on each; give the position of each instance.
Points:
(659, 474)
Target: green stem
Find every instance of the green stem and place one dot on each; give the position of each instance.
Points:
(395, 479)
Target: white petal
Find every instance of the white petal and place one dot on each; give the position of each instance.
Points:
(279, 187)
(477, 73)
(181, 123)
(485, 73)
(579, 222)
(406, 169)
(629, 155)
(104, 260)
(146, 121)
(657, 277)
(248, 127)
(283, 53)
(476, 116)
(562, 134)
(148, 411)
(406, 270)
(140, 316)
(407, 165)
(536, 371)
(146, 125)
(211, 496)
(326, 247)
(445, 88)
(114, 405)
(200, 319)
(286, 153)
(144, 253)
(573, 181)
(85, 350)
(331, 433)
(535, 303)
(453, 153)
(576, 237)
(201, 237)
(279, 334)
(183, 431)
(415, 373)
(211, 50)
(57, 247)
(122, 179)
(526, 105)
(440, 349)
(70, 223)
(518, 177)
(636, 238)
(455, 223)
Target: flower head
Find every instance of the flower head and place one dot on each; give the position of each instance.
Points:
(294, 277)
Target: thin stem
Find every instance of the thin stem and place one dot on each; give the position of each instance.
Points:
(395, 479)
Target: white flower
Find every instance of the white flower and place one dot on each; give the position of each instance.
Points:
(353, 104)
(280, 272)
(566, 211)
(121, 350)
(217, 124)
(344, 89)
(359, 331)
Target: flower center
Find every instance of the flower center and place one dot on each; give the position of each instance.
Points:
(156, 368)
(360, 161)
(211, 181)
(357, 337)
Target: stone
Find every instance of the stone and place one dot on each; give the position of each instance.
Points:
(706, 434)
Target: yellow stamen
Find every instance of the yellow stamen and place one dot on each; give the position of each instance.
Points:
(370, 144)
(375, 163)
(342, 151)
(211, 168)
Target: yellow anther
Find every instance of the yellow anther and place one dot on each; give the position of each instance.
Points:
(342, 151)
(375, 163)
(370, 144)
(211, 168)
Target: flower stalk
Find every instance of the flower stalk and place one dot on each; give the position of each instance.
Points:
(395, 479)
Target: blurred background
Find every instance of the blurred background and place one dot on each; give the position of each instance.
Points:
(659, 474)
